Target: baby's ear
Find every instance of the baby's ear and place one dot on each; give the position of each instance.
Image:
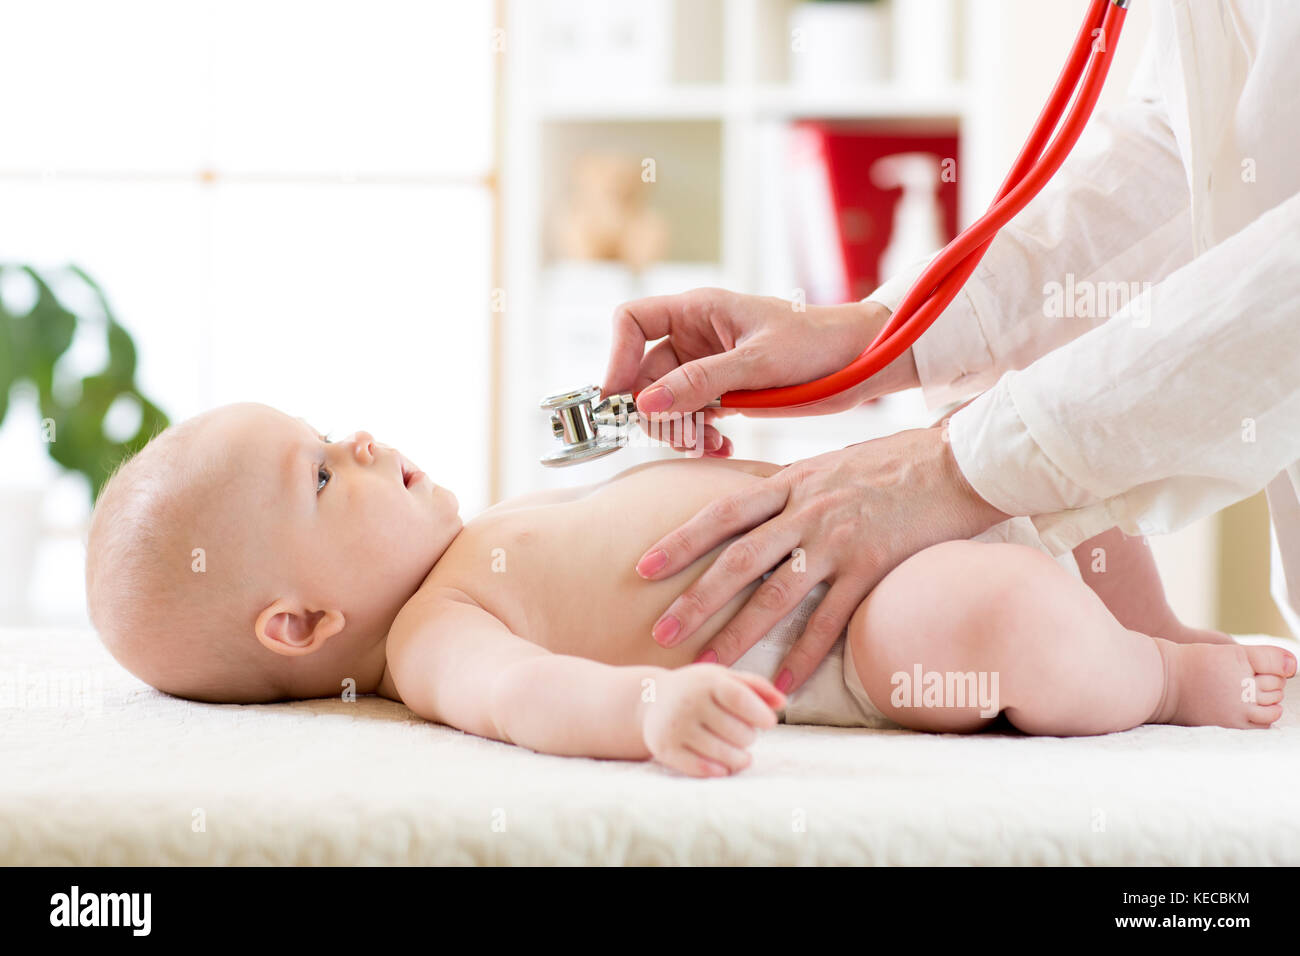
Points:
(290, 629)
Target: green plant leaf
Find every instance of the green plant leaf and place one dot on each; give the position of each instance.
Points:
(30, 347)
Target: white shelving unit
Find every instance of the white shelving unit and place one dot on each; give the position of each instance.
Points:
(704, 127)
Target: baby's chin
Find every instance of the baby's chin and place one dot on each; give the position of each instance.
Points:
(447, 506)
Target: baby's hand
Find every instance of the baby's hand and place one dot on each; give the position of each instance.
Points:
(704, 717)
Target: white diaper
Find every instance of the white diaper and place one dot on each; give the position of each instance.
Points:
(833, 695)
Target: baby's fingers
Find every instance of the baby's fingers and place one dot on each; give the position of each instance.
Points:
(692, 764)
(767, 694)
(710, 747)
(729, 727)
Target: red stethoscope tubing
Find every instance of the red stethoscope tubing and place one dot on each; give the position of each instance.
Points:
(1093, 50)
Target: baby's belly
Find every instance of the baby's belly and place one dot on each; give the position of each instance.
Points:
(565, 574)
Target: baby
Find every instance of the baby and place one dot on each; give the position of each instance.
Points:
(241, 557)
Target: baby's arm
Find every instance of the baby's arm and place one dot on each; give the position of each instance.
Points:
(455, 663)
(1122, 572)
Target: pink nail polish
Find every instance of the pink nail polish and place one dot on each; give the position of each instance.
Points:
(784, 680)
(666, 630)
(707, 657)
(651, 563)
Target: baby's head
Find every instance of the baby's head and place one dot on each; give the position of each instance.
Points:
(241, 557)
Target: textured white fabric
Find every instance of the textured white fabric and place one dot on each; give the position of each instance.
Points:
(1164, 404)
(328, 782)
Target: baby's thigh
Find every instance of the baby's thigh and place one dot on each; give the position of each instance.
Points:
(929, 639)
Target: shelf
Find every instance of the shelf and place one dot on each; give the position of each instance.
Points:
(658, 104)
(884, 101)
(717, 103)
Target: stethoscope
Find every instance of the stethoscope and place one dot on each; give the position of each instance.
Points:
(589, 425)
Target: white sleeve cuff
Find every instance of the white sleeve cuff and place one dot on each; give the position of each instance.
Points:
(890, 293)
(998, 454)
(953, 353)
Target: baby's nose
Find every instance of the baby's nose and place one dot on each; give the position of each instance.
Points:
(365, 443)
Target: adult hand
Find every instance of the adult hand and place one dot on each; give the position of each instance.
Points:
(715, 341)
(854, 514)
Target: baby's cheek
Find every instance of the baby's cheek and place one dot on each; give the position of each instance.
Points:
(385, 535)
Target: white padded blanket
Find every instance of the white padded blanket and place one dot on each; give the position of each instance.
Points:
(125, 775)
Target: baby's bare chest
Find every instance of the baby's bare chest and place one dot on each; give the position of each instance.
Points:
(563, 575)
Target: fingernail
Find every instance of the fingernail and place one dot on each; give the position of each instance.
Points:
(651, 563)
(784, 680)
(657, 399)
(665, 630)
(712, 441)
(707, 657)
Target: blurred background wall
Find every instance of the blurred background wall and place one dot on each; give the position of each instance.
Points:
(418, 217)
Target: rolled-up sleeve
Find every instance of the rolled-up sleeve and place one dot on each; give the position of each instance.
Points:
(1184, 402)
(1118, 210)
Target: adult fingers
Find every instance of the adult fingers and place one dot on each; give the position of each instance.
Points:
(694, 384)
(636, 323)
(823, 629)
(735, 568)
(767, 606)
(688, 432)
(658, 362)
(714, 523)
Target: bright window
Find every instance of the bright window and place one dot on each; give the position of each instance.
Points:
(287, 202)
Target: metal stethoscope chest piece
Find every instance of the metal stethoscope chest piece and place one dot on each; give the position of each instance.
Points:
(587, 425)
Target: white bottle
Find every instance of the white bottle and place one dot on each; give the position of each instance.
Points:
(925, 44)
(918, 218)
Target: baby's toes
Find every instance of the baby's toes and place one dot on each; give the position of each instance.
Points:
(1268, 689)
(1267, 659)
(1262, 716)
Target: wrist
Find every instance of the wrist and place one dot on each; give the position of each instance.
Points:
(900, 374)
(976, 513)
(652, 684)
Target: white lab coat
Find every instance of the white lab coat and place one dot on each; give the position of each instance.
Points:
(1151, 414)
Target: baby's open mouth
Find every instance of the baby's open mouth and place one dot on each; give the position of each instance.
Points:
(410, 474)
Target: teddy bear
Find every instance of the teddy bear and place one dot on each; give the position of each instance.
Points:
(607, 216)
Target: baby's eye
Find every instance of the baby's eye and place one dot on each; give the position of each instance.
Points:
(322, 478)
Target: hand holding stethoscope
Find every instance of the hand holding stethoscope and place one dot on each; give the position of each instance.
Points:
(712, 341)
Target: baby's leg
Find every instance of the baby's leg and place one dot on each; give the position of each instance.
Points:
(965, 615)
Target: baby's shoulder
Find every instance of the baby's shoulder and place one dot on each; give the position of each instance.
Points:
(430, 603)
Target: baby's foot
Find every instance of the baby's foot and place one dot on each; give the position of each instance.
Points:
(1181, 634)
(1225, 685)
